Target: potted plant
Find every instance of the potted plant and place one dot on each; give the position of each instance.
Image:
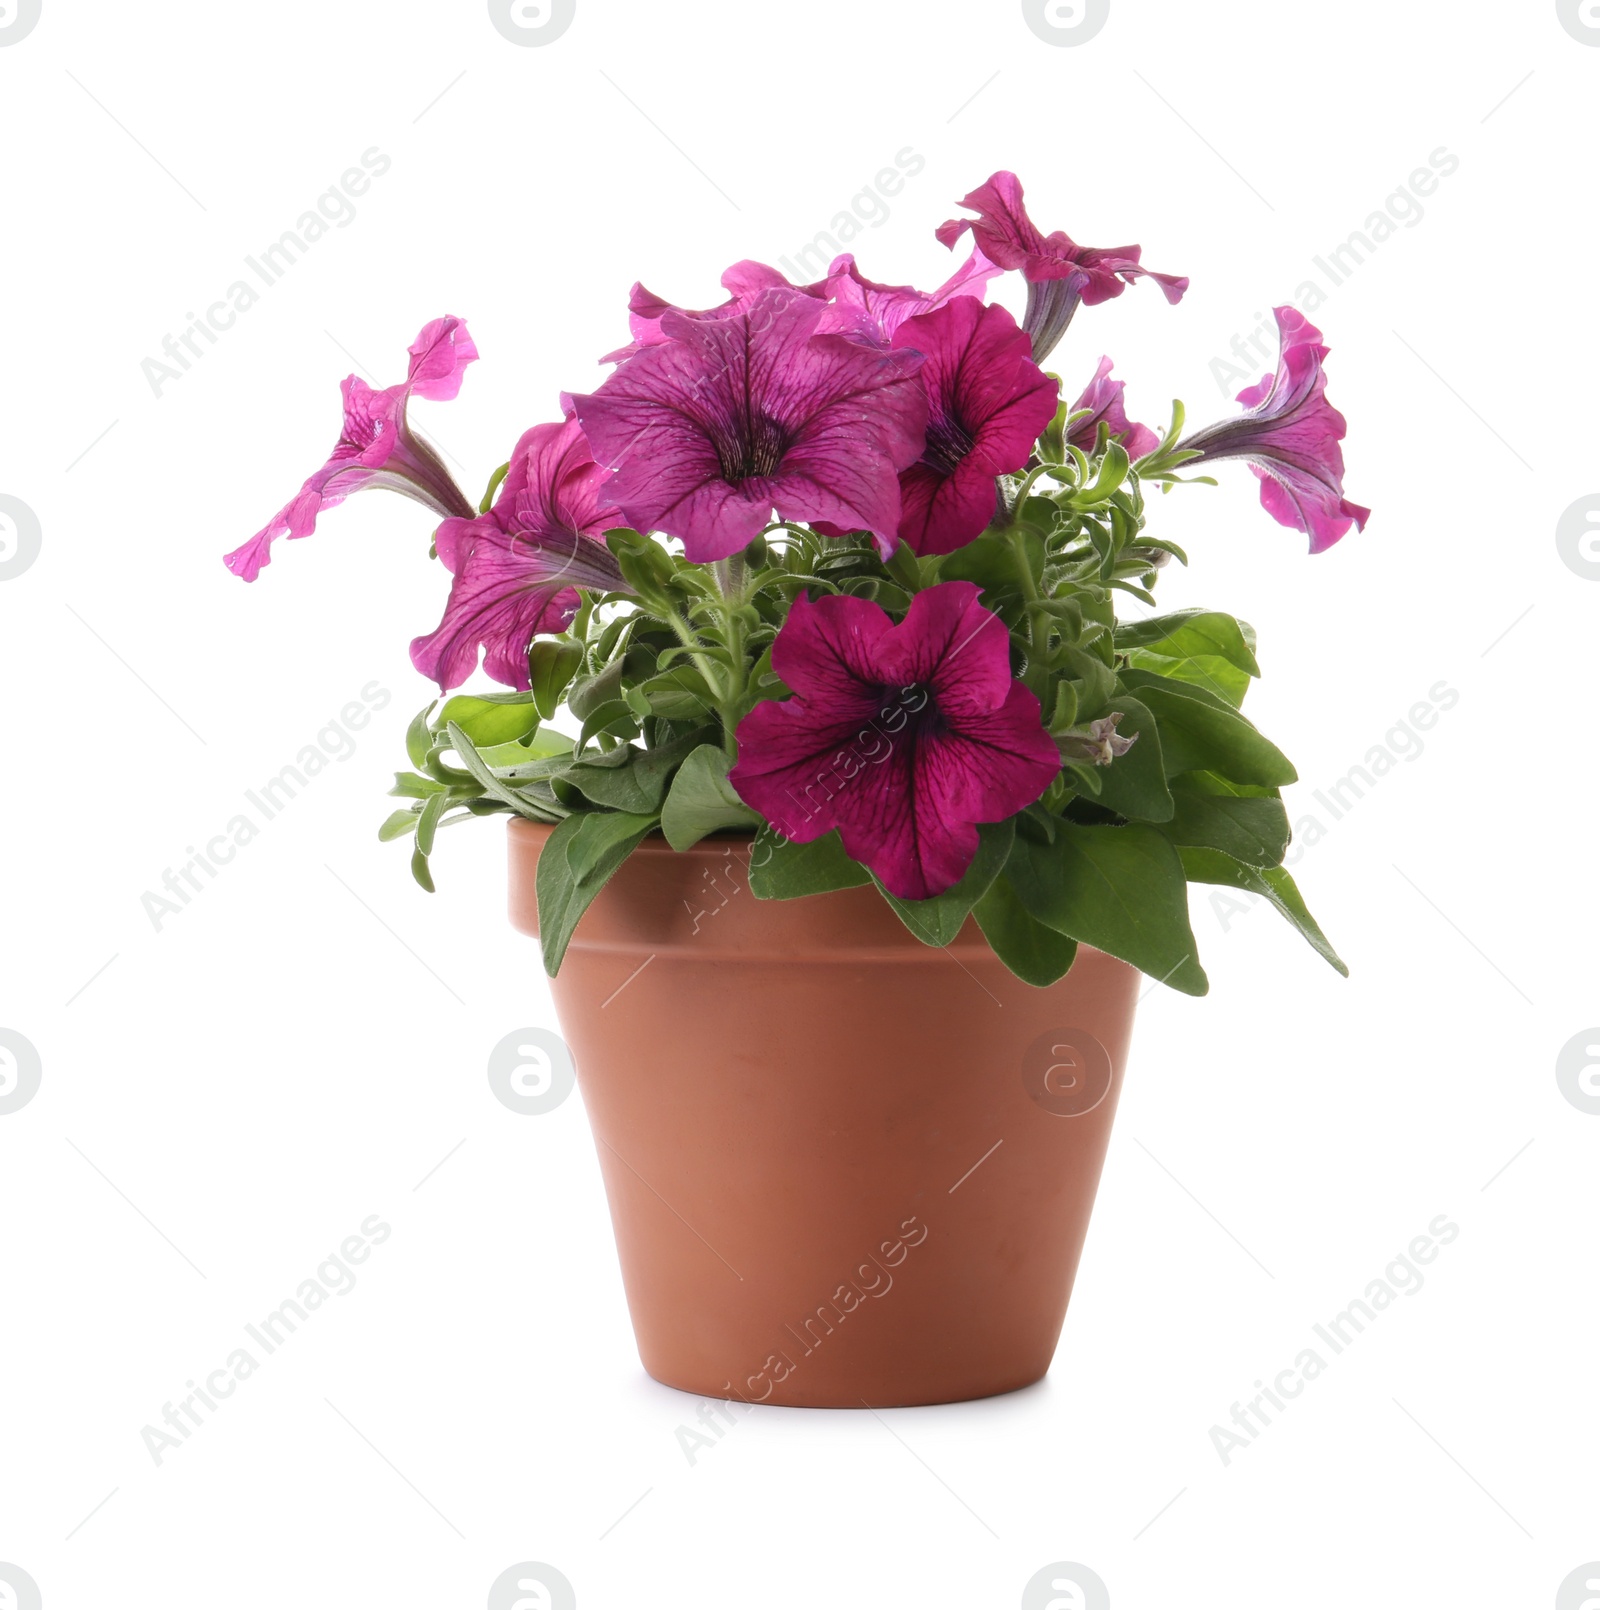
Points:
(845, 797)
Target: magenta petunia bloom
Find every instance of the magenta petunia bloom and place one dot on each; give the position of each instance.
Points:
(1060, 273)
(1103, 398)
(517, 567)
(377, 447)
(1289, 434)
(904, 737)
(987, 403)
(872, 312)
(732, 418)
(744, 282)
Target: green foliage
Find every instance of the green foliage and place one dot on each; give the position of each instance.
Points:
(655, 681)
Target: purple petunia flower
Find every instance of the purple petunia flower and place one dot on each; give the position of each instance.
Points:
(987, 403)
(1103, 398)
(873, 312)
(903, 737)
(517, 567)
(1060, 274)
(1289, 434)
(377, 447)
(733, 417)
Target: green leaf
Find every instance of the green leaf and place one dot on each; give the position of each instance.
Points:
(1120, 889)
(938, 921)
(613, 718)
(420, 870)
(588, 693)
(486, 779)
(1135, 784)
(1254, 831)
(419, 737)
(783, 870)
(701, 800)
(1036, 954)
(492, 718)
(577, 860)
(989, 561)
(630, 779)
(1200, 732)
(552, 663)
(679, 694)
(407, 785)
(1271, 883)
(397, 825)
(428, 822)
(1206, 632)
(1203, 647)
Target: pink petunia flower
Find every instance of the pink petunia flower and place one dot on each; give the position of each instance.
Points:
(744, 282)
(1103, 398)
(873, 312)
(904, 737)
(377, 447)
(987, 403)
(1289, 434)
(517, 567)
(732, 418)
(1060, 273)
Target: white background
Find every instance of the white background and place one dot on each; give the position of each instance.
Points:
(226, 1099)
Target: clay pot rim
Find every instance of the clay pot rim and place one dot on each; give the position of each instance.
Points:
(654, 842)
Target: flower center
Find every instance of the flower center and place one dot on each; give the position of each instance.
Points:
(912, 711)
(756, 451)
(949, 441)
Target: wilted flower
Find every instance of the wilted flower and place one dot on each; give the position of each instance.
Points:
(732, 418)
(1098, 744)
(517, 567)
(903, 737)
(377, 447)
(1289, 434)
(1060, 273)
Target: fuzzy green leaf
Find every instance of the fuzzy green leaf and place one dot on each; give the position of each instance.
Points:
(1271, 883)
(574, 866)
(1120, 889)
(783, 870)
(701, 800)
(1036, 954)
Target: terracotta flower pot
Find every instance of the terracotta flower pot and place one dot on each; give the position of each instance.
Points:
(843, 1168)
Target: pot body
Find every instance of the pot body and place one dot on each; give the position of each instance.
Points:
(844, 1168)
